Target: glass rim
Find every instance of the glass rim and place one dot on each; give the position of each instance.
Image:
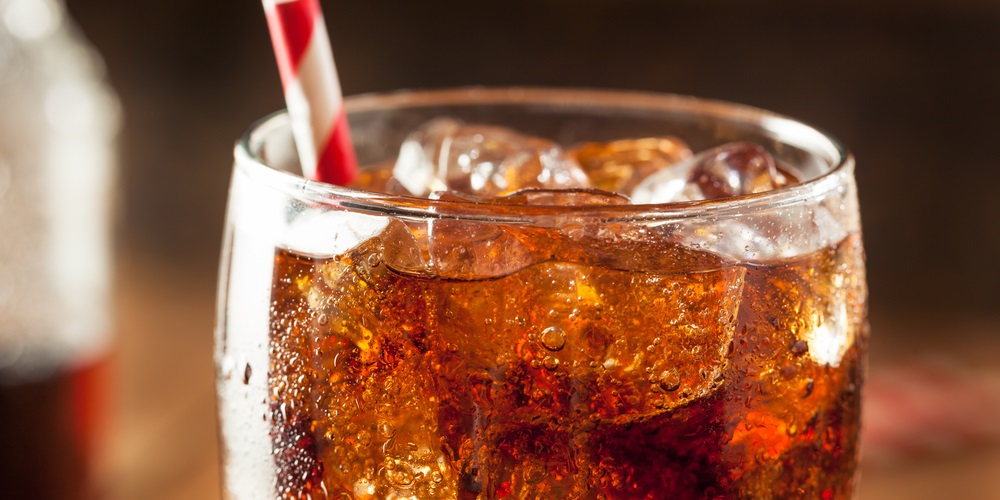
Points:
(783, 128)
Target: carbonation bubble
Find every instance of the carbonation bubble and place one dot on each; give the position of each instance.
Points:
(400, 476)
(553, 338)
(669, 380)
(550, 362)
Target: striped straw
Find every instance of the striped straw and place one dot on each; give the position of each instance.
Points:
(312, 90)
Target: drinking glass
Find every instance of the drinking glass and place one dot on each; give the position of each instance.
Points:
(551, 344)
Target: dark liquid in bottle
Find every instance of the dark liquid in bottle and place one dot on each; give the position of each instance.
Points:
(47, 430)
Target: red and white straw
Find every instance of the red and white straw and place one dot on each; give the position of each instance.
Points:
(312, 90)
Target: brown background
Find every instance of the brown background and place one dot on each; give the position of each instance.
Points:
(912, 87)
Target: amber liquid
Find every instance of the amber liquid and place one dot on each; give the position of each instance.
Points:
(602, 371)
(48, 429)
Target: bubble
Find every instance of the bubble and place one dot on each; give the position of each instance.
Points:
(669, 380)
(437, 477)
(553, 338)
(550, 362)
(374, 260)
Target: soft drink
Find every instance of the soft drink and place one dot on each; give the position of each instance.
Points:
(50, 427)
(570, 378)
(558, 311)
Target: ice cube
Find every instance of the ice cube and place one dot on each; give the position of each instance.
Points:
(484, 160)
(669, 185)
(733, 169)
(736, 169)
(564, 197)
(462, 249)
(619, 165)
(416, 166)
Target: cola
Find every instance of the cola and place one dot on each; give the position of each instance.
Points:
(578, 359)
(687, 384)
(536, 293)
(50, 424)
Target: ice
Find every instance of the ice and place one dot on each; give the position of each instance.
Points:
(564, 197)
(620, 165)
(736, 169)
(485, 160)
(330, 233)
(667, 186)
(475, 250)
(733, 169)
(416, 167)
(775, 233)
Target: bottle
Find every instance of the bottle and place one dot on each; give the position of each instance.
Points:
(58, 123)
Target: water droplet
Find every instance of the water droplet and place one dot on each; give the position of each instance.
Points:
(365, 438)
(669, 380)
(808, 389)
(553, 338)
(400, 476)
(246, 374)
(550, 362)
(799, 348)
(385, 429)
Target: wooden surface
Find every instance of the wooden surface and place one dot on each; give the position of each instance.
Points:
(164, 445)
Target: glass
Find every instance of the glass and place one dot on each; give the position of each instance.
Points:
(375, 346)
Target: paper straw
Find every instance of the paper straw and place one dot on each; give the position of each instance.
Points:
(312, 90)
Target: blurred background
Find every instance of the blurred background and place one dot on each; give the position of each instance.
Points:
(911, 86)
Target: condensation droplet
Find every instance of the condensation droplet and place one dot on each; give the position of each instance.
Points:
(799, 348)
(808, 389)
(365, 438)
(386, 430)
(553, 338)
(400, 476)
